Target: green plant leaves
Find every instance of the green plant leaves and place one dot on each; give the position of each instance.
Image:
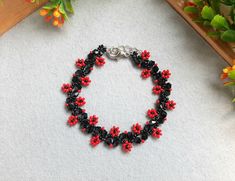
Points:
(231, 75)
(191, 9)
(228, 36)
(68, 6)
(207, 13)
(219, 22)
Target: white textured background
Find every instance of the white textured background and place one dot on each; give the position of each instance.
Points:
(35, 143)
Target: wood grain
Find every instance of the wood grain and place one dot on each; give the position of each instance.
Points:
(13, 11)
(225, 50)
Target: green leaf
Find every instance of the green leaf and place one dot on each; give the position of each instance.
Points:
(190, 9)
(214, 34)
(219, 22)
(233, 100)
(229, 84)
(228, 36)
(50, 6)
(68, 6)
(62, 10)
(208, 13)
(198, 2)
(231, 74)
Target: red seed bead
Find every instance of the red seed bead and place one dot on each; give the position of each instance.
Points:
(152, 113)
(85, 81)
(145, 55)
(80, 101)
(170, 105)
(73, 120)
(80, 63)
(145, 74)
(95, 140)
(66, 88)
(93, 120)
(136, 128)
(99, 61)
(114, 131)
(127, 146)
(156, 132)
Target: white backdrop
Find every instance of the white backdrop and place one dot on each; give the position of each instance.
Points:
(198, 140)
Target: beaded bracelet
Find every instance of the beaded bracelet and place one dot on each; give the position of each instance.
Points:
(113, 137)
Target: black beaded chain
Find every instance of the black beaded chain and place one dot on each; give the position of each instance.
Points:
(113, 137)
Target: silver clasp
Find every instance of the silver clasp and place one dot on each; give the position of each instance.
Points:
(115, 53)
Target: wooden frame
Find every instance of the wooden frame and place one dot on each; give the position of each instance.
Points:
(13, 11)
(225, 50)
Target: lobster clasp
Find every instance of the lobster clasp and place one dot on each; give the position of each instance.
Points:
(121, 52)
(113, 53)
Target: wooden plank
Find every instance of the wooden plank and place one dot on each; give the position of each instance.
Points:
(225, 50)
(13, 11)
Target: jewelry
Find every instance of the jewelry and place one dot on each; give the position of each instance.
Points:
(114, 137)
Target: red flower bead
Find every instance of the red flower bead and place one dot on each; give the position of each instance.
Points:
(66, 88)
(152, 113)
(72, 120)
(80, 101)
(145, 73)
(136, 128)
(157, 89)
(85, 81)
(95, 140)
(145, 55)
(114, 131)
(93, 120)
(157, 132)
(99, 61)
(170, 105)
(80, 63)
(166, 74)
(127, 146)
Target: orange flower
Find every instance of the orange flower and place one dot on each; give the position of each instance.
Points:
(43, 12)
(56, 13)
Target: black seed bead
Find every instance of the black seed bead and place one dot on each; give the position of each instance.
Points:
(83, 116)
(96, 130)
(151, 63)
(144, 135)
(70, 100)
(102, 48)
(130, 137)
(90, 129)
(163, 97)
(115, 141)
(83, 123)
(137, 140)
(79, 73)
(167, 86)
(76, 79)
(97, 52)
(86, 70)
(162, 81)
(91, 56)
(76, 111)
(147, 128)
(122, 137)
(144, 64)
(89, 62)
(154, 70)
(103, 134)
(162, 113)
(167, 93)
(157, 76)
(109, 140)
(76, 86)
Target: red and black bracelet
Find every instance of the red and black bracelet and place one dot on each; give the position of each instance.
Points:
(114, 137)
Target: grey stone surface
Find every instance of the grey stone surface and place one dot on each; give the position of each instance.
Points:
(35, 143)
